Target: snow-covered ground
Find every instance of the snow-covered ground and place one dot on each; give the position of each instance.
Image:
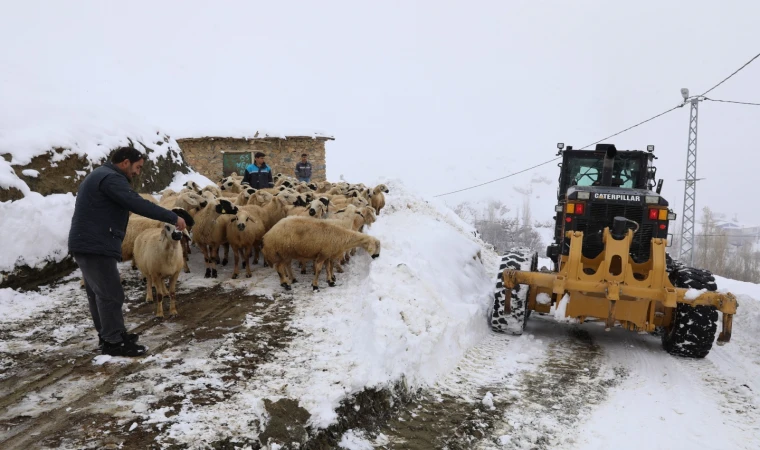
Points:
(410, 321)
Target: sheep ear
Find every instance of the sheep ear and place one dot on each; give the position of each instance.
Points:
(234, 219)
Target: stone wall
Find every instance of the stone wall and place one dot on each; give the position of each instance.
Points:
(205, 154)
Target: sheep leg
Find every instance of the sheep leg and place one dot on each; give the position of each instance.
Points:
(256, 251)
(338, 266)
(149, 290)
(173, 295)
(245, 253)
(214, 260)
(185, 253)
(330, 275)
(235, 271)
(291, 275)
(303, 267)
(317, 270)
(159, 282)
(225, 260)
(280, 268)
(206, 260)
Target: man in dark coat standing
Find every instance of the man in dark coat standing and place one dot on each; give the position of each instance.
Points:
(104, 201)
(258, 174)
(303, 169)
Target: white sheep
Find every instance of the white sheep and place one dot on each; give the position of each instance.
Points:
(305, 239)
(158, 255)
(244, 232)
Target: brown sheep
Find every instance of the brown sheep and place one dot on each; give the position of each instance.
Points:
(209, 234)
(378, 197)
(305, 239)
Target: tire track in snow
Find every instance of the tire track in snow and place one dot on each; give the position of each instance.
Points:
(540, 384)
(685, 403)
(200, 308)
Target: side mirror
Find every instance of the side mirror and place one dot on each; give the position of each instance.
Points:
(659, 186)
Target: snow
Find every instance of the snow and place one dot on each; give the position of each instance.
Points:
(560, 311)
(543, 299)
(35, 229)
(352, 440)
(488, 401)
(179, 180)
(693, 294)
(707, 404)
(31, 173)
(29, 129)
(102, 359)
(252, 133)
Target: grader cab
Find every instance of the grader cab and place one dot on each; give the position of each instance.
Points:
(610, 261)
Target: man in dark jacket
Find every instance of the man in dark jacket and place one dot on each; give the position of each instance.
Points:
(258, 174)
(101, 214)
(303, 169)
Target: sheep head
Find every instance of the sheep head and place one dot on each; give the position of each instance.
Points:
(228, 184)
(381, 188)
(241, 219)
(225, 207)
(288, 197)
(170, 232)
(317, 209)
(372, 247)
(189, 221)
(312, 186)
(325, 201)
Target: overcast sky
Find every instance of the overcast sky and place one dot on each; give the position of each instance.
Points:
(440, 94)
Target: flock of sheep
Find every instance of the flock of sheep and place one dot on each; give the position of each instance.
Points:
(321, 223)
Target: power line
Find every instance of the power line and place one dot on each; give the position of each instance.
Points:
(497, 179)
(680, 105)
(735, 72)
(554, 159)
(616, 134)
(731, 101)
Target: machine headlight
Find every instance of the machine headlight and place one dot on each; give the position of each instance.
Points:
(583, 195)
(655, 199)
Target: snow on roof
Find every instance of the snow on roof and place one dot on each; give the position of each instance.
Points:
(255, 133)
(92, 132)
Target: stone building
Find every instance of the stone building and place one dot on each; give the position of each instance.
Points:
(206, 154)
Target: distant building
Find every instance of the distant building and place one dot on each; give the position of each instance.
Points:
(206, 154)
(739, 234)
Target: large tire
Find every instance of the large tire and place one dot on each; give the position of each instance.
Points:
(693, 330)
(514, 321)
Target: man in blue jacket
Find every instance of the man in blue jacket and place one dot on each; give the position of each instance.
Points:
(104, 201)
(258, 174)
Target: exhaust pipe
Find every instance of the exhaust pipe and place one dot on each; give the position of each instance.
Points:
(609, 152)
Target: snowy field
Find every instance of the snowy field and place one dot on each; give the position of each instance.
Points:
(398, 355)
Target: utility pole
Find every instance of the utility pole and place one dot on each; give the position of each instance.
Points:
(686, 254)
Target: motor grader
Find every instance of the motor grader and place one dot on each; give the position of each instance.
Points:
(610, 261)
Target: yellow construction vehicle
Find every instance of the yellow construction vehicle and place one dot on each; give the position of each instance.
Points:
(610, 261)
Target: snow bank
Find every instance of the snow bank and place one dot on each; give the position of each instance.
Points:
(408, 315)
(35, 230)
(28, 130)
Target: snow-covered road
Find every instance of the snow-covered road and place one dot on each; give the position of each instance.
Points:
(398, 355)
